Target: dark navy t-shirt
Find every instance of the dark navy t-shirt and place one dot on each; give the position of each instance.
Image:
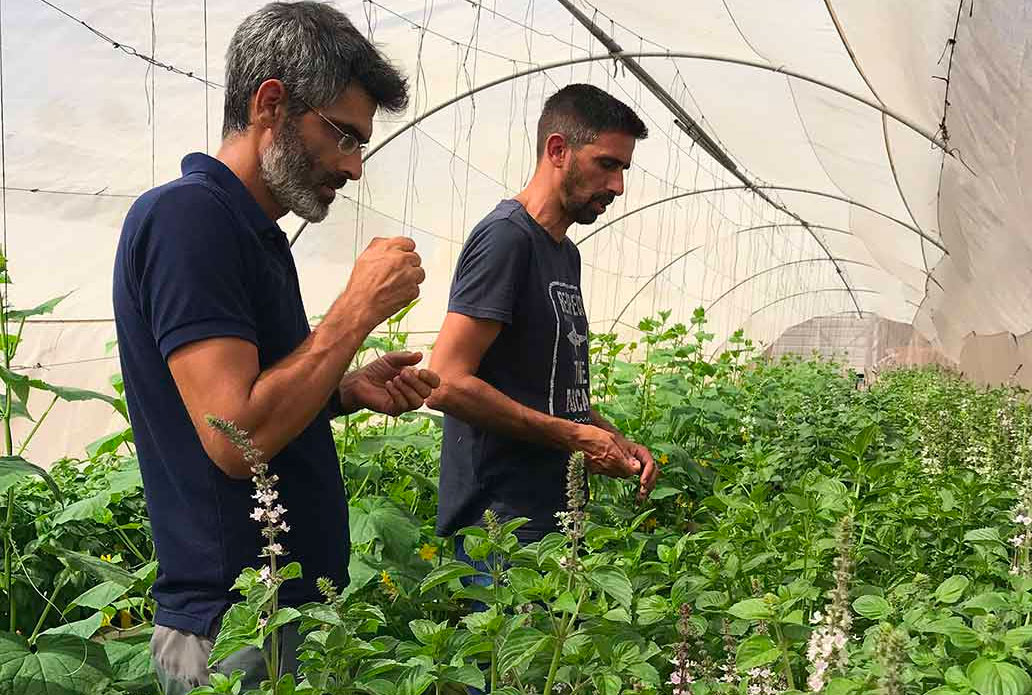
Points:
(512, 271)
(197, 259)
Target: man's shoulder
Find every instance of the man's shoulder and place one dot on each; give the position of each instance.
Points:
(180, 202)
(503, 225)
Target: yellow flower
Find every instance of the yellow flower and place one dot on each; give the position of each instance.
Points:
(389, 587)
(106, 558)
(663, 459)
(105, 620)
(428, 552)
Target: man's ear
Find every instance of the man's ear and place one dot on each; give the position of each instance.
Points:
(557, 149)
(269, 104)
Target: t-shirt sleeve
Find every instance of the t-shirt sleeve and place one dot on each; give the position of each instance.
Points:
(190, 264)
(490, 272)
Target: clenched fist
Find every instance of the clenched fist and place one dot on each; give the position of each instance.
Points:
(385, 279)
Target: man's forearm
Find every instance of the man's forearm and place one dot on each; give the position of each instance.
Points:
(473, 400)
(287, 396)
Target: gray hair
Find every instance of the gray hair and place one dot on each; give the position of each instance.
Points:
(316, 52)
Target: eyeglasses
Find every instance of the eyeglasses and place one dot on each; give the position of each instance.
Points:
(348, 143)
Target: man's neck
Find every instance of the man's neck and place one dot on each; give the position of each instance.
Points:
(541, 201)
(240, 153)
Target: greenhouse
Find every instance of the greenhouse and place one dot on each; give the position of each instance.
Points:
(661, 347)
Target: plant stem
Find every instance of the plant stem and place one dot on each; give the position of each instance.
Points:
(784, 656)
(564, 626)
(8, 552)
(35, 428)
(274, 637)
(46, 609)
(129, 544)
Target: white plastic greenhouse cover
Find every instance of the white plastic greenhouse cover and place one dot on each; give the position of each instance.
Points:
(841, 99)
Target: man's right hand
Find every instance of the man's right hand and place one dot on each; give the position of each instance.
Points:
(603, 453)
(385, 280)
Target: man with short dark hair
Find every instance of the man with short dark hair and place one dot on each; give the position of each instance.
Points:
(210, 321)
(513, 351)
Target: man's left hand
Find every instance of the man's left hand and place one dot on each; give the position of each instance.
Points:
(391, 385)
(649, 469)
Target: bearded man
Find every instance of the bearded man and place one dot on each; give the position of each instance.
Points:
(513, 351)
(210, 321)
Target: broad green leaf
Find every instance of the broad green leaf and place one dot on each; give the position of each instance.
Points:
(426, 630)
(377, 686)
(44, 308)
(840, 686)
(990, 677)
(88, 508)
(14, 468)
(687, 588)
(653, 609)
(100, 596)
(104, 571)
(872, 607)
(71, 394)
(85, 628)
(1017, 637)
(280, 618)
(520, 647)
(60, 665)
(445, 573)
(959, 633)
(711, 600)
(512, 524)
(614, 582)
(130, 657)
(751, 609)
(952, 589)
(756, 651)
(664, 491)
(378, 518)
(19, 383)
(239, 630)
(291, 571)
(983, 535)
(990, 602)
(608, 684)
(467, 674)
(109, 443)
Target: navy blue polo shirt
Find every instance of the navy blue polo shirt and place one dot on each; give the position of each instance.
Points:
(198, 259)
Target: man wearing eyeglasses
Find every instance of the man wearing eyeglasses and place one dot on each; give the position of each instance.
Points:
(210, 321)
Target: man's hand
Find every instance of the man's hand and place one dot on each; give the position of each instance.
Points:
(391, 385)
(385, 280)
(649, 469)
(605, 454)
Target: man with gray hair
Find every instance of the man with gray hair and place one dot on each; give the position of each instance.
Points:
(209, 319)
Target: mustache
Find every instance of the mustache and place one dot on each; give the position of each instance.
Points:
(334, 182)
(604, 198)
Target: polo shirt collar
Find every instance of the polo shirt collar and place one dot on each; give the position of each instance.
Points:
(198, 162)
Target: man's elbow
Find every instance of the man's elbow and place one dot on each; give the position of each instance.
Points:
(226, 457)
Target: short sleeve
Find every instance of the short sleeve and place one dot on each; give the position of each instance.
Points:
(190, 262)
(490, 272)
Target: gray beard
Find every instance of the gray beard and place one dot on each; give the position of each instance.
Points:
(286, 168)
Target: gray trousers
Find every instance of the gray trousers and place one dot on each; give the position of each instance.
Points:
(181, 659)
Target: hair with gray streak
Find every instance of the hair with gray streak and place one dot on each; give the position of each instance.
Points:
(579, 112)
(316, 52)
